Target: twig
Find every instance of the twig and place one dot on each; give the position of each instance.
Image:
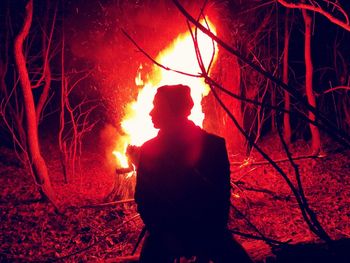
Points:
(109, 203)
(334, 89)
(261, 190)
(272, 241)
(282, 160)
(247, 163)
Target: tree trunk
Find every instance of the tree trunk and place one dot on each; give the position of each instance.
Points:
(37, 163)
(287, 131)
(316, 143)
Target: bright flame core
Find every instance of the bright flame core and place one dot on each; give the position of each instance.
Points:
(180, 56)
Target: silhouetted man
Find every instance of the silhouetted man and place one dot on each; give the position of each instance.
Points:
(183, 186)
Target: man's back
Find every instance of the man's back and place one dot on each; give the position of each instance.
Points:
(183, 182)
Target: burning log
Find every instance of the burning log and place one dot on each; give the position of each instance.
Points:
(126, 170)
(133, 155)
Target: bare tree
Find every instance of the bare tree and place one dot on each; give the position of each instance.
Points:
(316, 141)
(74, 116)
(74, 124)
(31, 113)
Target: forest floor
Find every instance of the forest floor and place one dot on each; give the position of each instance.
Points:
(32, 231)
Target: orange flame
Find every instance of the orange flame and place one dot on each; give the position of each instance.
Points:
(180, 56)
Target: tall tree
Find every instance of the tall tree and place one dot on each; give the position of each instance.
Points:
(37, 163)
(336, 14)
(315, 133)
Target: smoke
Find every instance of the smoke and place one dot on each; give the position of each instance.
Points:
(108, 141)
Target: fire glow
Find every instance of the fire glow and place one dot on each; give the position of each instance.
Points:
(180, 55)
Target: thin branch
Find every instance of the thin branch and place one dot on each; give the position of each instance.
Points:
(340, 9)
(278, 160)
(266, 239)
(109, 204)
(72, 86)
(156, 62)
(345, 25)
(334, 89)
(332, 130)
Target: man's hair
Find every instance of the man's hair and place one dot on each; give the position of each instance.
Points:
(177, 97)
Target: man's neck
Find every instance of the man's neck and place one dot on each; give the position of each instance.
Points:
(176, 125)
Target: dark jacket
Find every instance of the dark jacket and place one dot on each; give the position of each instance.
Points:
(183, 182)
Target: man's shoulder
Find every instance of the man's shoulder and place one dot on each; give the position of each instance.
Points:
(149, 144)
(207, 135)
(213, 138)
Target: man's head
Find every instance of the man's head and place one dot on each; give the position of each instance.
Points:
(171, 103)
